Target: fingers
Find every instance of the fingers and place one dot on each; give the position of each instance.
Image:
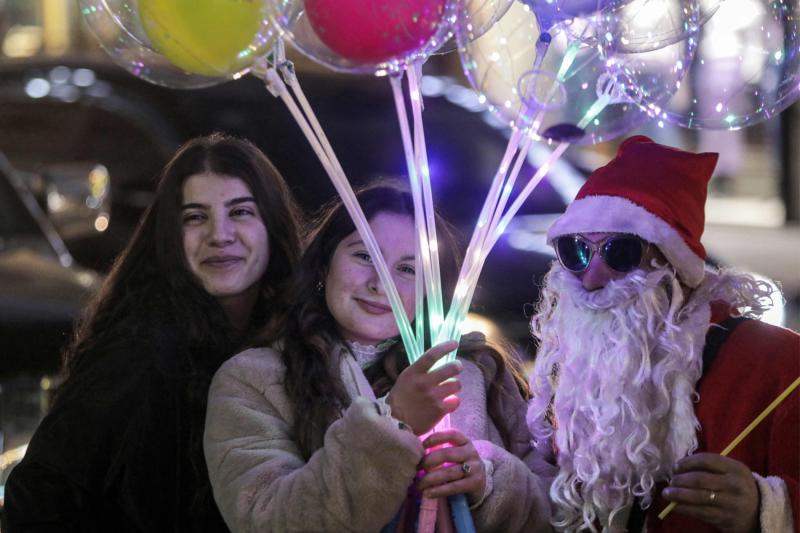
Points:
(717, 490)
(448, 388)
(467, 478)
(709, 462)
(461, 450)
(694, 497)
(461, 486)
(705, 513)
(440, 396)
(710, 472)
(698, 480)
(450, 436)
(429, 358)
(712, 507)
(445, 372)
(445, 456)
(452, 473)
(450, 404)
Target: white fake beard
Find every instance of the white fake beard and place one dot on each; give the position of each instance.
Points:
(628, 357)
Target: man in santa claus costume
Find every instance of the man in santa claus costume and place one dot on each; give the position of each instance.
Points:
(650, 362)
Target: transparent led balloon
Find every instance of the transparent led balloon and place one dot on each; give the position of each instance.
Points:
(560, 87)
(475, 17)
(747, 68)
(646, 25)
(162, 51)
(374, 37)
(629, 25)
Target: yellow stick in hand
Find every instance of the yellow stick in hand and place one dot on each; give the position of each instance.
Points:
(729, 448)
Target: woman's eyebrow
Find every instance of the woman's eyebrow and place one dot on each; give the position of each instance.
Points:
(240, 200)
(229, 203)
(359, 242)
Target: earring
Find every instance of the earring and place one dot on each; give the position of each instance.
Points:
(320, 287)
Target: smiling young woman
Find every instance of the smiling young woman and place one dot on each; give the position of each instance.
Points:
(354, 294)
(317, 430)
(121, 448)
(225, 241)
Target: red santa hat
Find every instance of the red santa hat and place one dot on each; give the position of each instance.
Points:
(650, 190)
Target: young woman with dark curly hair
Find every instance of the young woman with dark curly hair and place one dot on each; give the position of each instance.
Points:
(319, 429)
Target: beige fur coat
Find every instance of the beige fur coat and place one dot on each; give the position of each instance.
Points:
(358, 480)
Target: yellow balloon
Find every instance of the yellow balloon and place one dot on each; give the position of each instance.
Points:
(208, 37)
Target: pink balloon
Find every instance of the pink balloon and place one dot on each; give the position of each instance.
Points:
(372, 31)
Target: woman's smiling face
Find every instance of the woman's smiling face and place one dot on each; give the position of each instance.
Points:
(225, 241)
(353, 293)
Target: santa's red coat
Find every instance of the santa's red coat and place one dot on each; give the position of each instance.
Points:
(755, 364)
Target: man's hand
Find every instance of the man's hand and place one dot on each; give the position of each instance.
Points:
(717, 490)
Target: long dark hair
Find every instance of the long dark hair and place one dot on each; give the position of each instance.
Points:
(307, 332)
(150, 301)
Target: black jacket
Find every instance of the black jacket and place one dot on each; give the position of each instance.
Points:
(115, 453)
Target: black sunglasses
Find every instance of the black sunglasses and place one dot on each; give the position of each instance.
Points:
(621, 253)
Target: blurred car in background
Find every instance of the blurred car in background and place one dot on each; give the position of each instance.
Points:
(42, 290)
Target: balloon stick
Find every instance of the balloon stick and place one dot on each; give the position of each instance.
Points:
(311, 128)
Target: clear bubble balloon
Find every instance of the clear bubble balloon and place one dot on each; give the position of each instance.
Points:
(561, 88)
(747, 68)
(645, 25)
(630, 25)
(117, 26)
(365, 36)
(475, 17)
(208, 37)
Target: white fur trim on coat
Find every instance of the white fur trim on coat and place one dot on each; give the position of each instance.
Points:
(614, 214)
(775, 515)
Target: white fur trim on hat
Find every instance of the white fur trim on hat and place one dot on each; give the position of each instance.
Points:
(614, 214)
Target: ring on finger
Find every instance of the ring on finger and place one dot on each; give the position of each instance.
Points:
(466, 468)
(712, 497)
